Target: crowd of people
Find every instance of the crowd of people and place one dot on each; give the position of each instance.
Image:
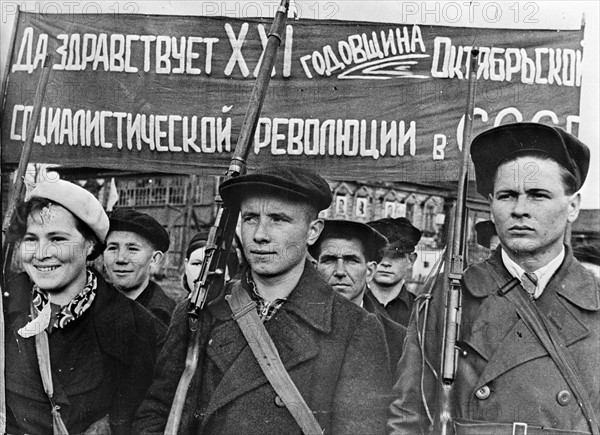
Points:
(351, 349)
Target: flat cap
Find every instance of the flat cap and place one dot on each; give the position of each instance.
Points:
(372, 240)
(485, 230)
(198, 241)
(401, 234)
(122, 219)
(492, 147)
(288, 181)
(78, 201)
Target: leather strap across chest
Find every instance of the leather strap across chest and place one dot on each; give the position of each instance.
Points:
(267, 356)
(42, 349)
(549, 337)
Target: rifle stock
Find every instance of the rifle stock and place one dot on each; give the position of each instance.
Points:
(209, 286)
(453, 271)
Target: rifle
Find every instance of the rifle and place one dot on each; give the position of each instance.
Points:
(454, 268)
(15, 194)
(209, 286)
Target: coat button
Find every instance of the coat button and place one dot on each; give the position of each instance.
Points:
(279, 402)
(483, 393)
(563, 397)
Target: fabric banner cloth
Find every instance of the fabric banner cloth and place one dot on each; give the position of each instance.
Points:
(353, 100)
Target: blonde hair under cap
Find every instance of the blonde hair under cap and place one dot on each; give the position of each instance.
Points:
(78, 201)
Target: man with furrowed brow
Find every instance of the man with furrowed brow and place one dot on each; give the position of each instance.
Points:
(529, 344)
(334, 351)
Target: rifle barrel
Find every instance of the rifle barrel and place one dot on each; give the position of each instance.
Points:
(17, 188)
(15, 194)
(210, 282)
(453, 270)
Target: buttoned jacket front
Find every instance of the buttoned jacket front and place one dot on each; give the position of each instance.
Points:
(504, 373)
(334, 351)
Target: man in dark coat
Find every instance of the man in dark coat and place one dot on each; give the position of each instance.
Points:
(506, 380)
(136, 244)
(334, 351)
(347, 254)
(388, 286)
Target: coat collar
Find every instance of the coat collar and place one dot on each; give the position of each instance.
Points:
(111, 312)
(312, 300)
(571, 280)
(501, 337)
(372, 305)
(310, 287)
(114, 321)
(310, 303)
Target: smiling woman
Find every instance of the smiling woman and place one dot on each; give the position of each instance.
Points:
(99, 346)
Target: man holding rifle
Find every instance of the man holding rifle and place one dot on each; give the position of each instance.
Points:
(334, 351)
(529, 343)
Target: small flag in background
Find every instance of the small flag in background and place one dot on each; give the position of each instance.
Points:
(113, 195)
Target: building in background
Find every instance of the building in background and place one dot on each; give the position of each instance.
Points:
(183, 204)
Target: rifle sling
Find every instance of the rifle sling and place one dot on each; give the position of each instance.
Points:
(263, 348)
(42, 349)
(549, 337)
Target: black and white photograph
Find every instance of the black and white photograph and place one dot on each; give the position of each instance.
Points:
(300, 216)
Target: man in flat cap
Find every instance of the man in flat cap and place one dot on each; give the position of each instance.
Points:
(529, 344)
(136, 243)
(389, 283)
(334, 351)
(347, 254)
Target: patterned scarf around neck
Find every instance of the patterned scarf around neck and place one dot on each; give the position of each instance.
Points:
(67, 314)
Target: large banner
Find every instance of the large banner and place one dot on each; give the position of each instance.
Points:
(354, 100)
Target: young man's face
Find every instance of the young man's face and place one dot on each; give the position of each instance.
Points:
(128, 260)
(531, 209)
(393, 268)
(276, 233)
(343, 265)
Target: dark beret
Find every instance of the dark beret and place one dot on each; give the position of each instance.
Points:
(288, 181)
(587, 253)
(494, 146)
(198, 241)
(372, 240)
(401, 234)
(485, 230)
(140, 223)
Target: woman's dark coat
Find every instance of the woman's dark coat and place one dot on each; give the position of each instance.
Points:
(102, 363)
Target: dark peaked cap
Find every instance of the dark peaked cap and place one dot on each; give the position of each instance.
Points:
(287, 181)
(492, 147)
(142, 224)
(401, 234)
(372, 240)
